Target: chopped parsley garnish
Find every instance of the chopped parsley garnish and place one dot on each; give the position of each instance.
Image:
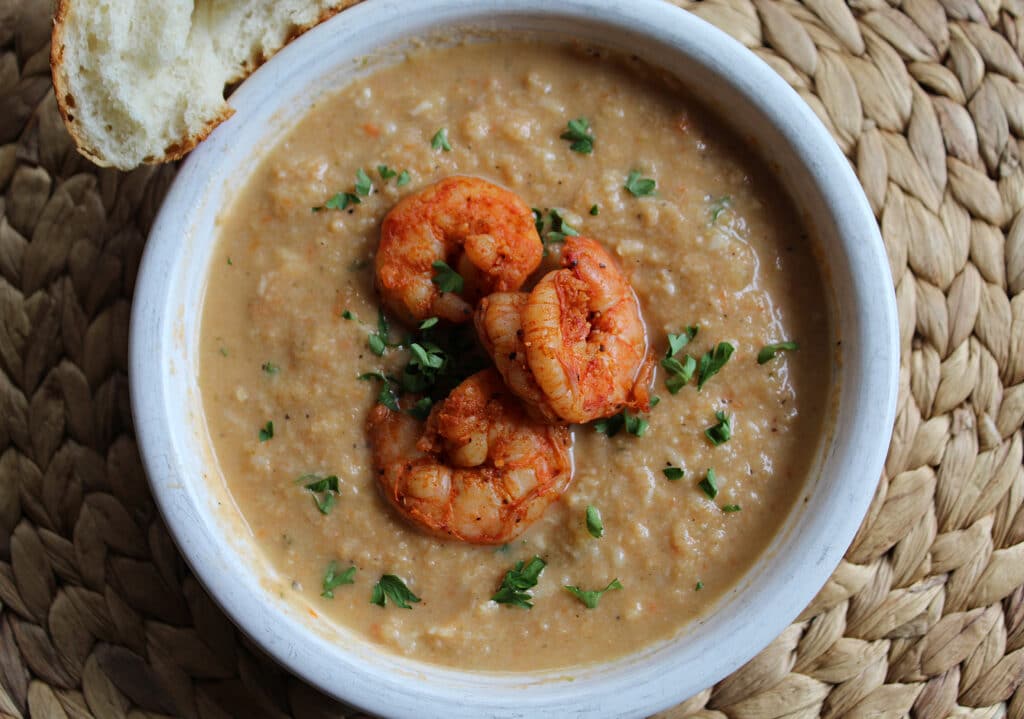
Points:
(376, 344)
(595, 210)
(673, 473)
(333, 579)
(428, 323)
(640, 186)
(679, 341)
(446, 279)
(393, 588)
(323, 489)
(709, 484)
(340, 201)
(441, 361)
(430, 357)
(364, 185)
(381, 339)
(721, 432)
(729, 508)
(347, 314)
(385, 172)
(270, 368)
(718, 207)
(421, 410)
(680, 372)
(403, 178)
(698, 586)
(387, 395)
(768, 352)
(517, 581)
(224, 351)
(591, 598)
(579, 134)
(711, 362)
(538, 220)
(594, 524)
(440, 140)
(230, 262)
(633, 423)
(560, 229)
(267, 431)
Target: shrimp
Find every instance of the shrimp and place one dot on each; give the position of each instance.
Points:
(481, 471)
(574, 349)
(484, 232)
(498, 320)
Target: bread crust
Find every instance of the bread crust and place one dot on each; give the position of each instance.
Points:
(182, 146)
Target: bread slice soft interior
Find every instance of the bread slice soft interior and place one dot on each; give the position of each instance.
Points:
(142, 81)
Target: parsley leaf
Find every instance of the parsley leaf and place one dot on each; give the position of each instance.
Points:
(679, 373)
(711, 362)
(403, 178)
(718, 207)
(538, 220)
(677, 342)
(578, 132)
(421, 410)
(560, 229)
(393, 588)
(698, 586)
(333, 580)
(446, 279)
(385, 172)
(270, 368)
(432, 358)
(517, 580)
(768, 352)
(364, 185)
(635, 424)
(595, 210)
(376, 344)
(267, 432)
(673, 473)
(380, 340)
(729, 508)
(594, 524)
(387, 395)
(325, 487)
(347, 314)
(721, 432)
(440, 140)
(339, 201)
(710, 484)
(640, 186)
(428, 323)
(592, 597)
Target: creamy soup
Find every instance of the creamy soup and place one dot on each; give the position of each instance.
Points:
(707, 239)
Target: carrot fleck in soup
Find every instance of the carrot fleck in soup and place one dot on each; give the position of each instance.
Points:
(562, 440)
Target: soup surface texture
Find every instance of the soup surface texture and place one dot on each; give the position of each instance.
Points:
(291, 314)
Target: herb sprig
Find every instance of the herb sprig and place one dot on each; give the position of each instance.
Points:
(393, 588)
(579, 134)
(334, 579)
(518, 580)
(592, 597)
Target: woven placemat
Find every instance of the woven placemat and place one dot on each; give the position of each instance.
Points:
(99, 615)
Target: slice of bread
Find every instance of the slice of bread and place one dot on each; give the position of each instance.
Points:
(139, 81)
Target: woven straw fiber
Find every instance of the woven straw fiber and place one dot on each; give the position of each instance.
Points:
(100, 617)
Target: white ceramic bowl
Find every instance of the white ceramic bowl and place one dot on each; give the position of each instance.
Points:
(763, 111)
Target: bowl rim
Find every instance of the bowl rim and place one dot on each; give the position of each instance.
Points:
(368, 689)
